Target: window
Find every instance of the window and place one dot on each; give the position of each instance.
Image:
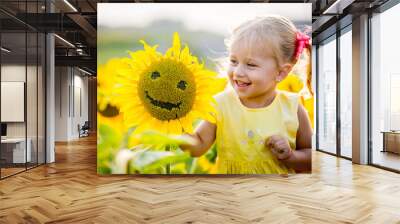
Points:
(327, 95)
(385, 89)
(346, 75)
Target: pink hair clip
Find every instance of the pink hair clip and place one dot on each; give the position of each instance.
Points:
(302, 41)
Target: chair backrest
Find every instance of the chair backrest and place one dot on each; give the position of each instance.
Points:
(86, 125)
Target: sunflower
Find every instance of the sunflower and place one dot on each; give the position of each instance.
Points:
(292, 83)
(309, 105)
(166, 92)
(108, 111)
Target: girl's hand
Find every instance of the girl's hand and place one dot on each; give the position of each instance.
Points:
(201, 140)
(279, 146)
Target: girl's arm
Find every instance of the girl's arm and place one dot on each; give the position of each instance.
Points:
(203, 137)
(299, 159)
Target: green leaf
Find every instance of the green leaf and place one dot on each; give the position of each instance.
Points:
(109, 142)
(147, 161)
(211, 155)
(179, 168)
(159, 141)
(108, 137)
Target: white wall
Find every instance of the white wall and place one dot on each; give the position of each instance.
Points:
(13, 73)
(61, 103)
(71, 94)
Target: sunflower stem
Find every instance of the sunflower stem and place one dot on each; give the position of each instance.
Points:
(168, 167)
(193, 166)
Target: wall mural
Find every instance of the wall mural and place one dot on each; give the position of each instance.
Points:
(204, 88)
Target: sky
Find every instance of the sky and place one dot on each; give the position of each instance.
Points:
(215, 17)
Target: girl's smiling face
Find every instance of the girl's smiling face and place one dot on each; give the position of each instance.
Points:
(252, 73)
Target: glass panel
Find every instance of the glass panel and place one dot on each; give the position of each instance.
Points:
(385, 84)
(31, 97)
(31, 85)
(23, 83)
(346, 94)
(327, 96)
(41, 98)
(314, 73)
(16, 8)
(13, 92)
(13, 86)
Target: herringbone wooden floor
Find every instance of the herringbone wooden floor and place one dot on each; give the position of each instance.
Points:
(70, 191)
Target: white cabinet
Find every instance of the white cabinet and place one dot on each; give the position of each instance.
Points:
(18, 149)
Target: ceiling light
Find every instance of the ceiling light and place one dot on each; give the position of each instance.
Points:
(338, 6)
(64, 40)
(84, 71)
(70, 5)
(5, 50)
(80, 51)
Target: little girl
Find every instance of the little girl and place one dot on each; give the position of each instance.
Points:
(258, 129)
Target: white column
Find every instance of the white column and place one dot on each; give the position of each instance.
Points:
(360, 90)
(50, 99)
(50, 92)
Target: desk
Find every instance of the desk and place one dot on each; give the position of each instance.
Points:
(391, 141)
(16, 147)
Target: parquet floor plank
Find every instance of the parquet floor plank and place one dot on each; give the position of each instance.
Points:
(70, 191)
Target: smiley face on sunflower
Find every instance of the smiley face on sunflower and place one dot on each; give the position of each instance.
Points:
(166, 92)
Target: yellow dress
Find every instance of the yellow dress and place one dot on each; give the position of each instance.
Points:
(241, 132)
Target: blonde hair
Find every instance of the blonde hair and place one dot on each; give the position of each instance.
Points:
(275, 34)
